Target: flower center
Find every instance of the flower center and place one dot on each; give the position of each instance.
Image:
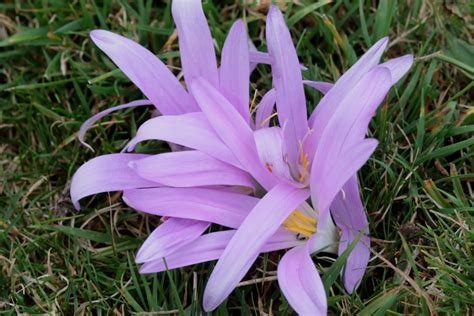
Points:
(301, 223)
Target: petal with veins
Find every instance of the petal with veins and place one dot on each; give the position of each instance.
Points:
(290, 98)
(196, 47)
(211, 246)
(350, 122)
(300, 282)
(147, 72)
(349, 215)
(191, 130)
(398, 66)
(342, 150)
(265, 109)
(104, 174)
(232, 129)
(211, 205)
(329, 182)
(321, 86)
(244, 247)
(330, 103)
(266, 105)
(234, 72)
(169, 237)
(190, 168)
(259, 57)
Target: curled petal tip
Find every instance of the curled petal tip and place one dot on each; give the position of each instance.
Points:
(86, 145)
(129, 147)
(408, 59)
(239, 23)
(125, 200)
(275, 13)
(145, 254)
(300, 282)
(139, 258)
(380, 45)
(383, 41)
(143, 269)
(77, 206)
(383, 72)
(273, 9)
(94, 33)
(207, 308)
(209, 304)
(350, 287)
(100, 35)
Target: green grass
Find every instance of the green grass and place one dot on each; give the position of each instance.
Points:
(417, 187)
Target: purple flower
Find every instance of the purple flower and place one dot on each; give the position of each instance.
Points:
(236, 171)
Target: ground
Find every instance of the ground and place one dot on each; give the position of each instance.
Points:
(416, 187)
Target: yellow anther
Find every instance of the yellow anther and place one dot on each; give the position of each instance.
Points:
(301, 223)
(298, 230)
(298, 214)
(304, 163)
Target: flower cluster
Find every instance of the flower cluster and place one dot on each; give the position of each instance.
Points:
(289, 185)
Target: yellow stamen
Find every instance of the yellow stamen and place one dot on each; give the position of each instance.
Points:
(304, 163)
(300, 223)
(253, 103)
(268, 119)
(300, 231)
(302, 217)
